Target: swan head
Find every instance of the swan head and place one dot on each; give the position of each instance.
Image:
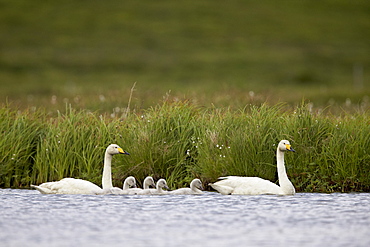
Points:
(131, 182)
(149, 181)
(115, 149)
(162, 184)
(284, 145)
(196, 183)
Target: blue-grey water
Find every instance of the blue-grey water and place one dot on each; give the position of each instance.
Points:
(28, 218)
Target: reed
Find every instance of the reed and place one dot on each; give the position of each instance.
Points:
(20, 135)
(160, 138)
(179, 141)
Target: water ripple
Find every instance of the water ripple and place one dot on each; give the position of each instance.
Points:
(31, 219)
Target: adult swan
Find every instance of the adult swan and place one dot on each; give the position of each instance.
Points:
(79, 186)
(255, 185)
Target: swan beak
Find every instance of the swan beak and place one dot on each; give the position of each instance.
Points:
(289, 148)
(121, 151)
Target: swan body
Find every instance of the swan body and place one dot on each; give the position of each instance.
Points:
(256, 186)
(245, 186)
(130, 182)
(69, 186)
(148, 181)
(161, 184)
(195, 189)
(80, 186)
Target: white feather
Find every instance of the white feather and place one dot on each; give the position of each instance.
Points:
(195, 189)
(79, 186)
(161, 184)
(254, 185)
(148, 181)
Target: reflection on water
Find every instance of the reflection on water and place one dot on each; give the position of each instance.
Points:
(31, 219)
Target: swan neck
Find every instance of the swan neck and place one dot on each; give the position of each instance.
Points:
(197, 190)
(283, 177)
(285, 185)
(107, 172)
(158, 187)
(125, 185)
(280, 161)
(193, 187)
(146, 184)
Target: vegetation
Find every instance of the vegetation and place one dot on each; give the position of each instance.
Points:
(207, 79)
(179, 141)
(213, 53)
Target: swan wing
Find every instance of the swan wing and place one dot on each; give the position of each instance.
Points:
(158, 192)
(223, 189)
(181, 191)
(117, 191)
(185, 191)
(146, 192)
(152, 192)
(246, 186)
(42, 190)
(134, 191)
(69, 186)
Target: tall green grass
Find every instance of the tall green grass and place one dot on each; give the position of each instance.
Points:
(179, 141)
(20, 134)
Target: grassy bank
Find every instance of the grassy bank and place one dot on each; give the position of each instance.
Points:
(179, 141)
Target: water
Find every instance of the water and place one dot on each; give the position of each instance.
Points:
(28, 218)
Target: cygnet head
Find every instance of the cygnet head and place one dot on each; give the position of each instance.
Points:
(130, 182)
(284, 145)
(149, 181)
(113, 149)
(196, 183)
(161, 183)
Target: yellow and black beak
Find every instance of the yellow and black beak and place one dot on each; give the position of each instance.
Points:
(289, 148)
(121, 151)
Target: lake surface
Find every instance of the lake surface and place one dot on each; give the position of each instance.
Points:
(28, 218)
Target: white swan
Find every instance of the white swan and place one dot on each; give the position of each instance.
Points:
(79, 186)
(130, 182)
(148, 181)
(255, 185)
(161, 184)
(195, 189)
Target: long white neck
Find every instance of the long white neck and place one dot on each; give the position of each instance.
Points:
(107, 172)
(286, 186)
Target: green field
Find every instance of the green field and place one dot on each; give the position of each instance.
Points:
(214, 53)
(160, 77)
